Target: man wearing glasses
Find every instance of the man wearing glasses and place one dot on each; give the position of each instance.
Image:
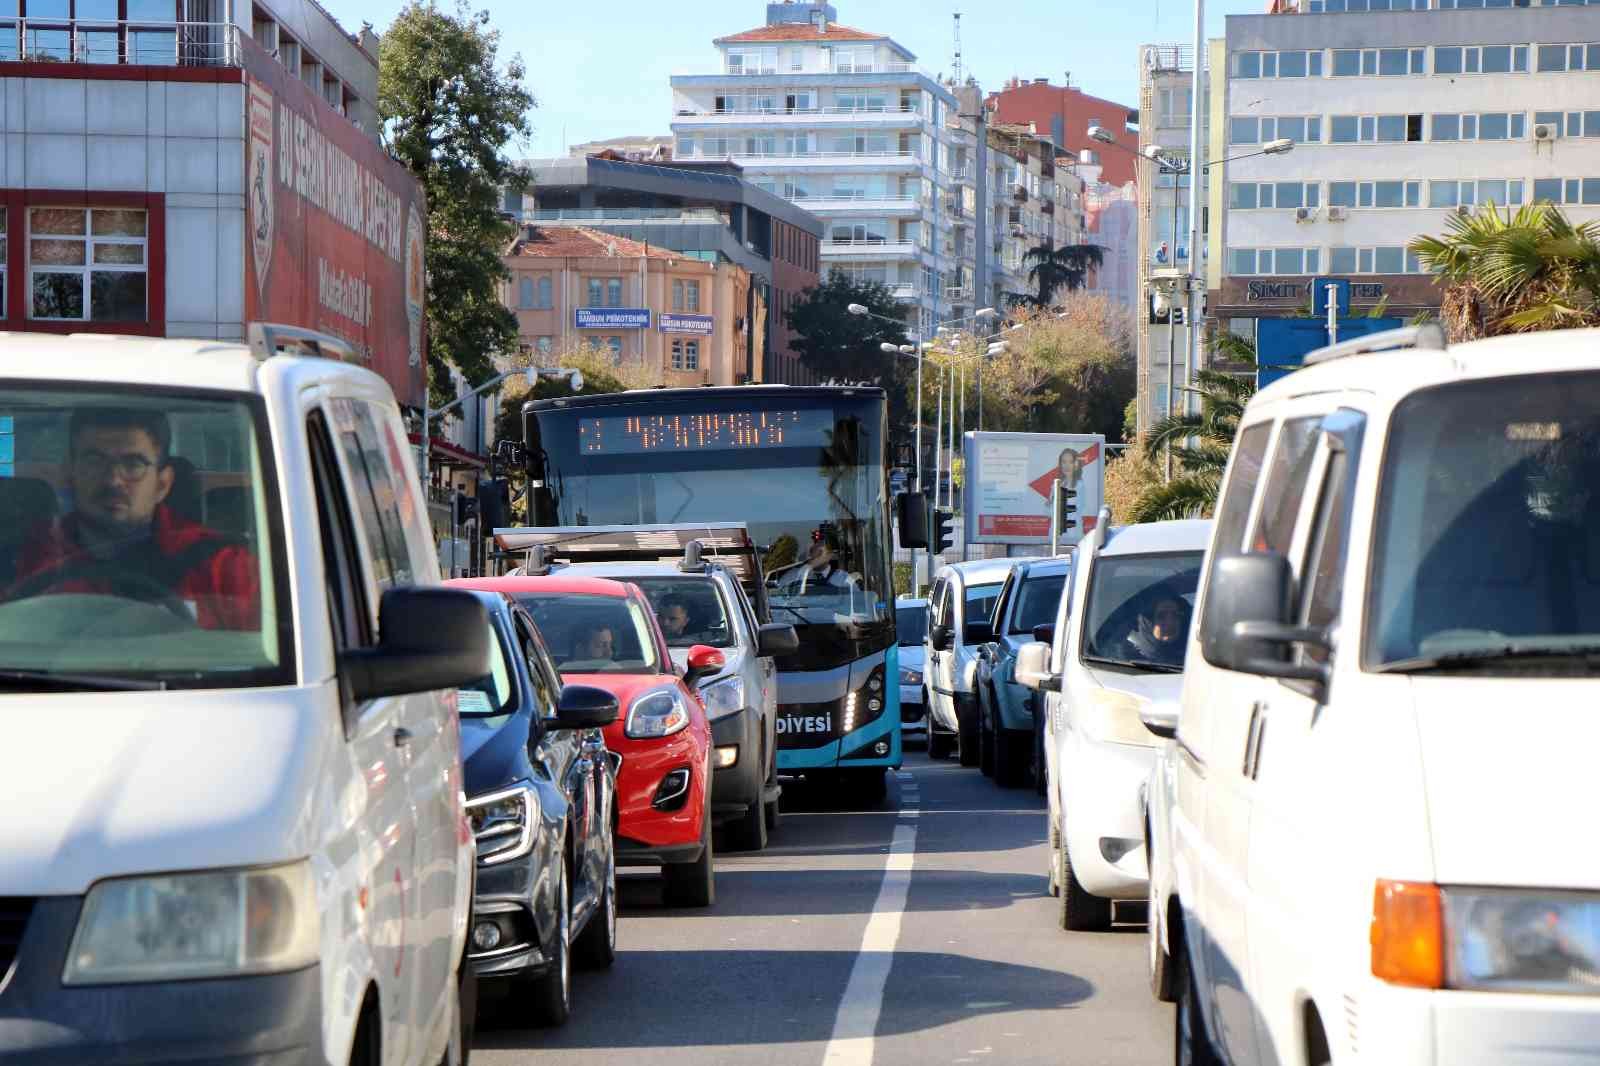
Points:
(123, 539)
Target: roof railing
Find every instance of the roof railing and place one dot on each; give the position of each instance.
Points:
(267, 339)
(1427, 336)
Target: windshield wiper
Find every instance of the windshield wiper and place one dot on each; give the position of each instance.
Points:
(1130, 664)
(28, 680)
(792, 610)
(1588, 654)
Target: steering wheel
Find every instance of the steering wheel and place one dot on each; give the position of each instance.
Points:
(115, 574)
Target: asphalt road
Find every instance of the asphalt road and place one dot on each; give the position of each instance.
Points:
(921, 932)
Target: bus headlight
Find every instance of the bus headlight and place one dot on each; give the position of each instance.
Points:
(724, 698)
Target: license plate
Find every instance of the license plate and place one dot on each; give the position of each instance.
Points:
(804, 724)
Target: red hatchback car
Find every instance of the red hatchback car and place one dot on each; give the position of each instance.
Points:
(604, 633)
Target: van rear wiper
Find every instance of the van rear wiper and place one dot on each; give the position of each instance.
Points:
(32, 680)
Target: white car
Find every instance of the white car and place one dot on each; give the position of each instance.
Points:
(1381, 816)
(234, 826)
(961, 602)
(1118, 649)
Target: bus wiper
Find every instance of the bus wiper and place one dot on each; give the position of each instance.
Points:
(1586, 653)
(30, 680)
(797, 612)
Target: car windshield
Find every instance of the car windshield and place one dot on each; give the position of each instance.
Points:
(494, 695)
(690, 611)
(1037, 602)
(1138, 610)
(1487, 545)
(912, 625)
(590, 634)
(981, 600)
(138, 541)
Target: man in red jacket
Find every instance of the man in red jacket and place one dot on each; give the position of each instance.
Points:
(123, 539)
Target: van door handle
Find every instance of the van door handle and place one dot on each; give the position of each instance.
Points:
(1252, 747)
(402, 737)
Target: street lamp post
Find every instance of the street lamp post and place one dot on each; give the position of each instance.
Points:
(532, 373)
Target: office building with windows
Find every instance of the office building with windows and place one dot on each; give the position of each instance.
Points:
(839, 121)
(1401, 117)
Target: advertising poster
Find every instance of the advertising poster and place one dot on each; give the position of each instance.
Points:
(335, 227)
(1009, 478)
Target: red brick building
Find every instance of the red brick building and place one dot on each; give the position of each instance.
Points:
(1065, 115)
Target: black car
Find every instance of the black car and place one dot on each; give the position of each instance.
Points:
(541, 797)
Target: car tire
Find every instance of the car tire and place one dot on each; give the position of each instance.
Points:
(1079, 912)
(596, 946)
(749, 832)
(1190, 1045)
(967, 737)
(694, 884)
(551, 991)
(1012, 752)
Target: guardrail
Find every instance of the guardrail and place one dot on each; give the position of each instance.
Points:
(119, 42)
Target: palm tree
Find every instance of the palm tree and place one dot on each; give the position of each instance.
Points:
(1057, 268)
(1200, 442)
(1514, 273)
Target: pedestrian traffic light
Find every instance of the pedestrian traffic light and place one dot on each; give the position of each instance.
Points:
(466, 509)
(1068, 502)
(944, 530)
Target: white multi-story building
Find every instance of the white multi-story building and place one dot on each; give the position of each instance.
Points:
(840, 121)
(1036, 200)
(1400, 117)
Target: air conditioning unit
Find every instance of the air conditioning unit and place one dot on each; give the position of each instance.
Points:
(1338, 214)
(1544, 131)
(1305, 214)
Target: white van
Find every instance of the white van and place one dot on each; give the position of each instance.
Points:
(959, 608)
(1381, 812)
(233, 825)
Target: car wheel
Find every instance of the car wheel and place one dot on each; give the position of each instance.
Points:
(986, 740)
(1190, 1045)
(967, 736)
(1159, 962)
(552, 990)
(694, 884)
(1079, 912)
(1011, 754)
(596, 946)
(749, 833)
(459, 1051)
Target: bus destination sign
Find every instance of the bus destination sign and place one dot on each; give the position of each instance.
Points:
(703, 431)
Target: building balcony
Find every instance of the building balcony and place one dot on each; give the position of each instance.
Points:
(745, 73)
(870, 248)
(113, 42)
(827, 117)
(821, 160)
(833, 206)
(906, 292)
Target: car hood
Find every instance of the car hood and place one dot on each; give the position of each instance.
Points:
(1153, 687)
(494, 752)
(102, 784)
(1509, 765)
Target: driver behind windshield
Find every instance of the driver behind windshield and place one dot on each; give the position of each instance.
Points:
(1161, 634)
(674, 618)
(123, 539)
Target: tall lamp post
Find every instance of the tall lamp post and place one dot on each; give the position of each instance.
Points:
(532, 373)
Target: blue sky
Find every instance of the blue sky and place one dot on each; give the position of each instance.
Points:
(600, 70)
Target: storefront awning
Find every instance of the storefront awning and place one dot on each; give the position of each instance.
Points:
(445, 453)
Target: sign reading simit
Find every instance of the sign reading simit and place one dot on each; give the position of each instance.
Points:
(1269, 291)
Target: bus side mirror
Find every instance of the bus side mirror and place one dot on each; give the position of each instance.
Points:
(911, 518)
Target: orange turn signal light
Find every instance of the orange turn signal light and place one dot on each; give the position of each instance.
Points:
(1408, 934)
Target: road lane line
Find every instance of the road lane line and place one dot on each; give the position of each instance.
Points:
(856, 1025)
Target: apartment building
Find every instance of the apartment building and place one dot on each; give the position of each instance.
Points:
(1064, 114)
(1400, 117)
(1111, 221)
(1036, 201)
(840, 121)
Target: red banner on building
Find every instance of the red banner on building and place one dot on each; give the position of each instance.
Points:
(335, 227)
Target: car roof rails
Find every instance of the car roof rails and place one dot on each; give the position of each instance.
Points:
(1427, 336)
(267, 339)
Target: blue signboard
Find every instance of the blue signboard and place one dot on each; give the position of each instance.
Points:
(611, 317)
(1283, 343)
(701, 325)
(1319, 295)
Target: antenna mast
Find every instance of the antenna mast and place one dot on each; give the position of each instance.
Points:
(957, 59)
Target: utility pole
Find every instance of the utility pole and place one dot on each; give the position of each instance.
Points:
(1197, 168)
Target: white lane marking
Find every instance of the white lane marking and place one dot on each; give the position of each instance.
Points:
(856, 1024)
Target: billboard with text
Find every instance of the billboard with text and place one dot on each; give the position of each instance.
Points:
(335, 227)
(1008, 479)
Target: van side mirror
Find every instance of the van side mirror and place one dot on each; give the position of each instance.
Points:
(1160, 717)
(1045, 633)
(428, 639)
(1033, 668)
(777, 638)
(978, 631)
(584, 707)
(1248, 626)
(911, 519)
(940, 637)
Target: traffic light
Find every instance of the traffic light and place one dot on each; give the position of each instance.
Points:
(1068, 501)
(466, 509)
(1177, 316)
(944, 531)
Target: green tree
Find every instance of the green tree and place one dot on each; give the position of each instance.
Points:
(1200, 441)
(1513, 273)
(449, 110)
(1066, 267)
(836, 344)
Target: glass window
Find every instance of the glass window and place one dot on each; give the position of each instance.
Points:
(1393, 61)
(1324, 576)
(1492, 192)
(171, 553)
(979, 602)
(494, 694)
(1291, 194)
(1391, 127)
(590, 634)
(1244, 473)
(1446, 127)
(1389, 194)
(544, 300)
(525, 292)
(1286, 482)
(613, 292)
(1494, 127)
(1342, 260)
(1347, 62)
(1343, 129)
(1291, 64)
(1341, 194)
(691, 611)
(1243, 261)
(1292, 128)
(597, 292)
(1552, 57)
(1248, 65)
(1242, 195)
(87, 264)
(1390, 260)
(1447, 61)
(1289, 261)
(1591, 191)
(1443, 193)
(1496, 59)
(377, 497)
(1138, 608)
(1244, 131)
(1037, 602)
(1364, 260)
(1486, 541)
(911, 625)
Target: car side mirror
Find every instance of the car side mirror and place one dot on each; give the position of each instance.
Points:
(777, 638)
(584, 707)
(1046, 633)
(911, 519)
(1033, 668)
(1247, 624)
(428, 639)
(940, 637)
(704, 661)
(1161, 718)
(979, 632)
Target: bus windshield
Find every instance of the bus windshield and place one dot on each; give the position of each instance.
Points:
(802, 468)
